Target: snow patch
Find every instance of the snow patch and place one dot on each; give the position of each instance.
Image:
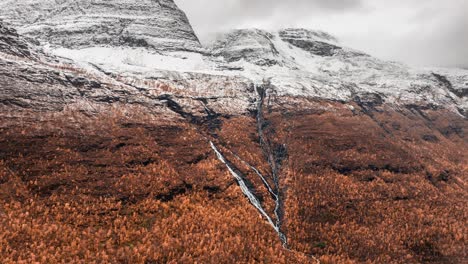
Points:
(135, 59)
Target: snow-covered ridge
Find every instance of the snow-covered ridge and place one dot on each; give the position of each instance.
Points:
(154, 40)
(316, 66)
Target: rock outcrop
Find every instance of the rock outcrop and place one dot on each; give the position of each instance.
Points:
(12, 43)
(315, 42)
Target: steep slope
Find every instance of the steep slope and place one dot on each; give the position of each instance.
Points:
(156, 25)
(276, 147)
(32, 80)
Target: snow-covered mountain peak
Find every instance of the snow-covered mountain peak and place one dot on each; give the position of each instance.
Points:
(263, 48)
(251, 45)
(156, 25)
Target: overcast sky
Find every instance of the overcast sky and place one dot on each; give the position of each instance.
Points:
(417, 32)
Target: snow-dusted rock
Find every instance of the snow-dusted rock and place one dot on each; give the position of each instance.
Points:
(309, 63)
(158, 25)
(251, 45)
(41, 81)
(152, 41)
(315, 42)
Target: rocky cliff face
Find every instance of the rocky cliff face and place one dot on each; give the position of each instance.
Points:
(315, 42)
(157, 25)
(12, 43)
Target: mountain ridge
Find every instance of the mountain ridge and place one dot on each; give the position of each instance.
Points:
(158, 25)
(315, 67)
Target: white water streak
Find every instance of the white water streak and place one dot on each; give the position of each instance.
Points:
(252, 198)
(260, 175)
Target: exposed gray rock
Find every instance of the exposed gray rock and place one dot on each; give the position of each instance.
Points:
(310, 41)
(316, 42)
(27, 86)
(460, 91)
(368, 99)
(11, 43)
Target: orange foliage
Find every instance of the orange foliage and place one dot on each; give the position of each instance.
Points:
(126, 187)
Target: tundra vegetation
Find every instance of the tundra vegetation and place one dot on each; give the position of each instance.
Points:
(127, 187)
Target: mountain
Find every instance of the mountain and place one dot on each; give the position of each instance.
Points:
(306, 63)
(297, 62)
(157, 25)
(123, 139)
(154, 40)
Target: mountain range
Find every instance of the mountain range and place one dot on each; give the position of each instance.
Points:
(264, 146)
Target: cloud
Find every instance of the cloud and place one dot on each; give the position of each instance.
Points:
(421, 33)
(418, 32)
(210, 16)
(269, 5)
(244, 9)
